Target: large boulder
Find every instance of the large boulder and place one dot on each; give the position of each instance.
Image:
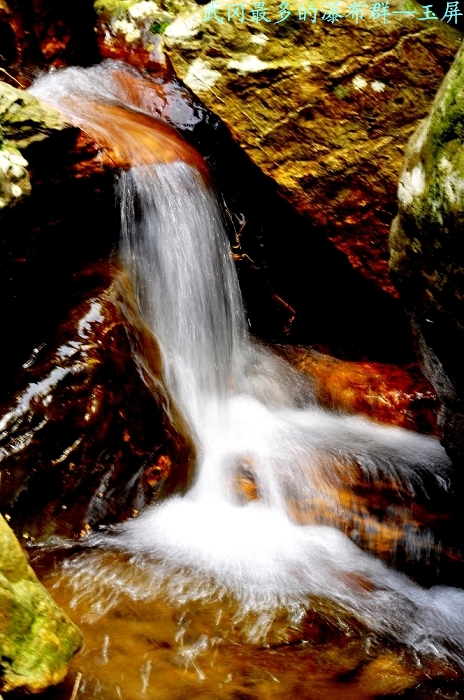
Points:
(37, 639)
(324, 109)
(87, 436)
(428, 253)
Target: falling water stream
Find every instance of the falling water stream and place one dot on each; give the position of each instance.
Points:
(224, 592)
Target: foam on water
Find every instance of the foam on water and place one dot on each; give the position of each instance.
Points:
(248, 410)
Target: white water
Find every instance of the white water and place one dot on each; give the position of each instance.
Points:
(249, 411)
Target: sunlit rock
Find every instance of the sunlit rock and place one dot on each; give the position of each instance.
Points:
(37, 639)
(390, 394)
(323, 109)
(23, 121)
(131, 30)
(83, 439)
(388, 675)
(427, 249)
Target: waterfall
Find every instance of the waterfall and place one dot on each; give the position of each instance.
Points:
(250, 413)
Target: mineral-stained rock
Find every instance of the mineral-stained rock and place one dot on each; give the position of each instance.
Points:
(45, 33)
(323, 109)
(37, 639)
(428, 253)
(83, 440)
(396, 395)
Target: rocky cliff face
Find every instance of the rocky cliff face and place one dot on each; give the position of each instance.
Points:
(428, 252)
(324, 108)
(37, 639)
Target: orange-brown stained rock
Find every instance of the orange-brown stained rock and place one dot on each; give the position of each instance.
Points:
(388, 675)
(399, 396)
(83, 440)
(130, 138)
(45, 33)
(323, 109)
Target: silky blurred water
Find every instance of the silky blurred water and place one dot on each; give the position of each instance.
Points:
(250, 414)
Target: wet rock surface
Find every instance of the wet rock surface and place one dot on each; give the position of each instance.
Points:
(37, 639)
(427, 252)
(399, 396)
(83, 439)
(324, 110)
(51, 176)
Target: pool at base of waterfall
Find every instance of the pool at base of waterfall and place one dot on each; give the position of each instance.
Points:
(155, 632)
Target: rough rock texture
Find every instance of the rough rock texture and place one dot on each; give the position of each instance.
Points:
(83, 441)
(428, 253)
(37, 639)
(396, 395)
(40, 33)
(323, 109)
(132, 30)
(22, 121)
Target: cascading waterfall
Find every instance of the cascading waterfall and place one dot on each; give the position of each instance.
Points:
(248, 411)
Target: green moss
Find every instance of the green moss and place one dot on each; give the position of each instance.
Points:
(24, 119)
(37, 640)
(342, 91)
(159, 27)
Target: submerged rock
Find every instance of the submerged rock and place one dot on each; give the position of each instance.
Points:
(427, 250)
(324, 109)
(83, 440)
(37, 639)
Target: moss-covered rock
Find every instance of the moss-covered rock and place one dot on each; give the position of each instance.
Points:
(23, 121)
(37, 639)
(427, 251)
(132, 29)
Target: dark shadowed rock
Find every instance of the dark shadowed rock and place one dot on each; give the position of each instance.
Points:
(84, 441)
(41, 33)
(51, 176)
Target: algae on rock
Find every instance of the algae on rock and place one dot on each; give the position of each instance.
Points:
(23, 121)
(427, 249)
(37, 639)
